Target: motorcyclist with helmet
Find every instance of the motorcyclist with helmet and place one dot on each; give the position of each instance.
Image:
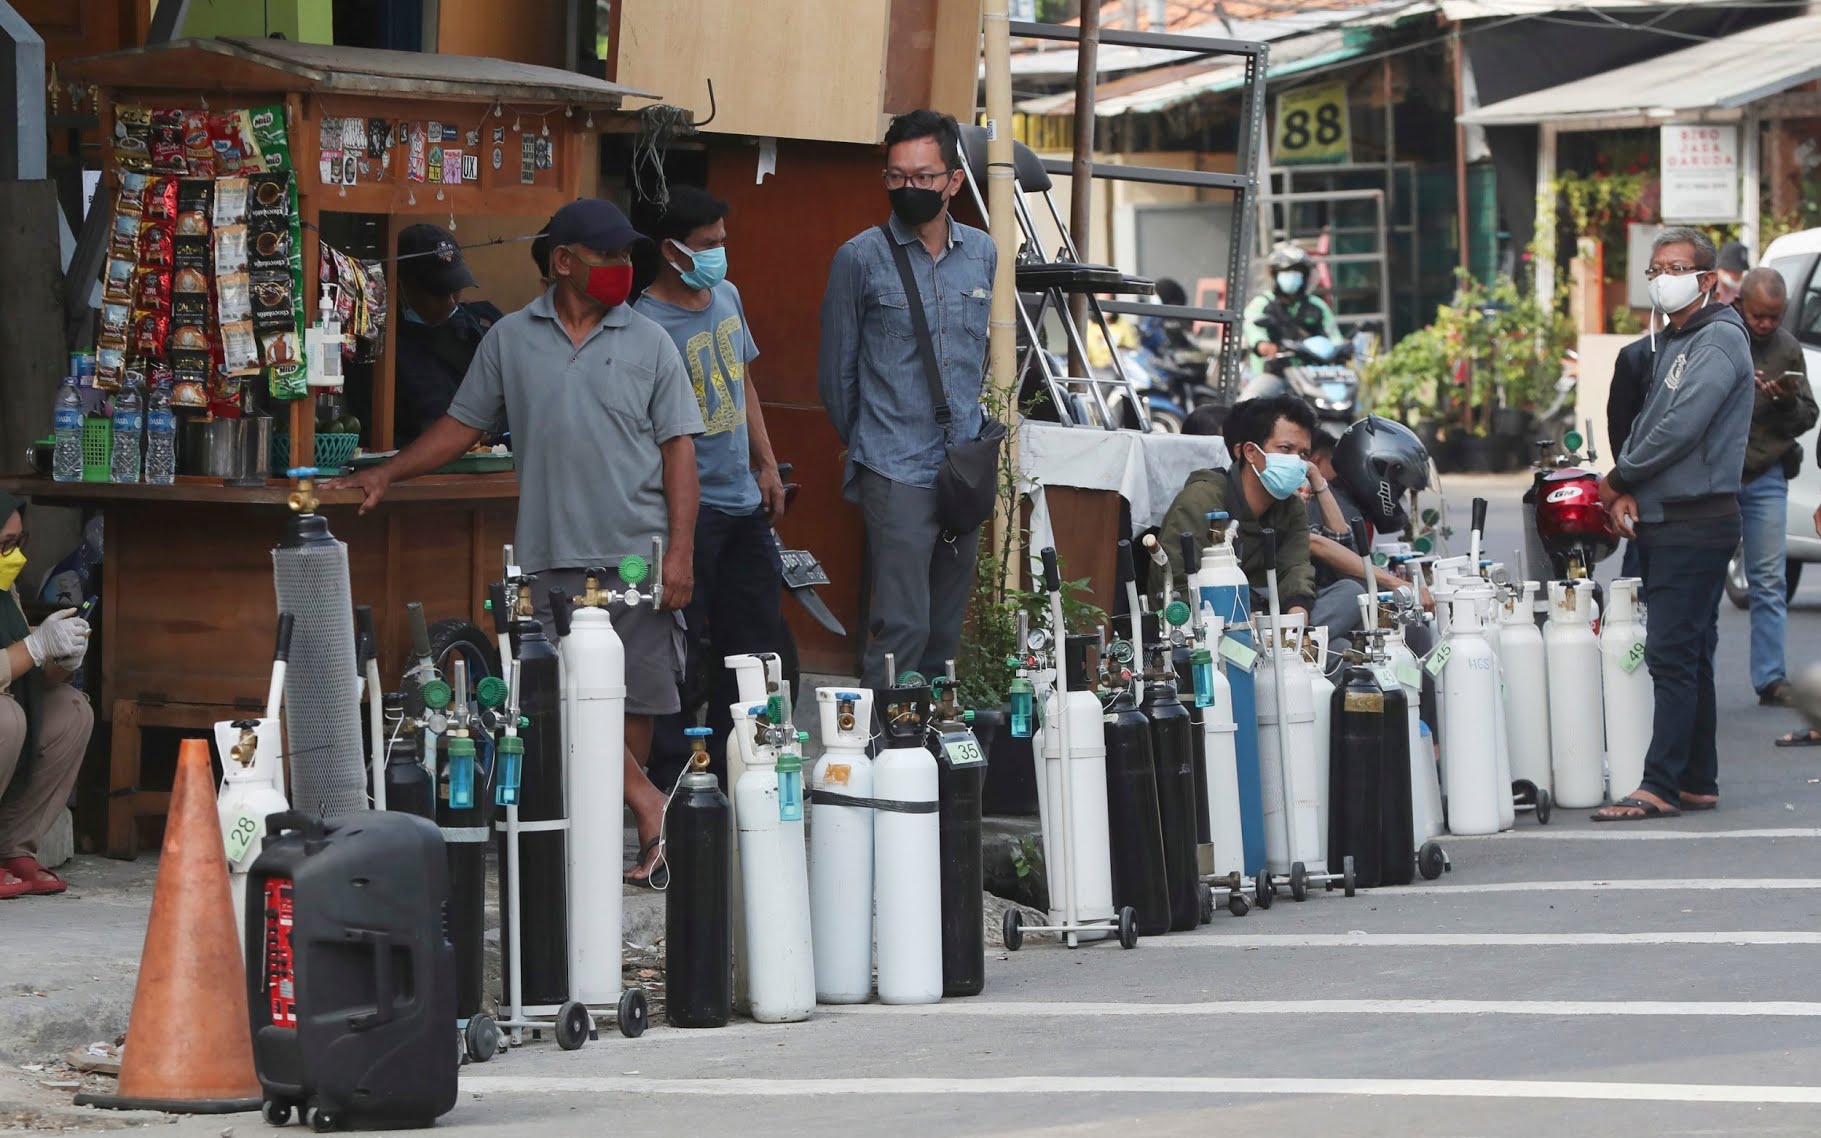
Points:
(1286, 312)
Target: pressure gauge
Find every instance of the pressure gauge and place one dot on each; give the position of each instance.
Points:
(1120, 651)
(1037, 640)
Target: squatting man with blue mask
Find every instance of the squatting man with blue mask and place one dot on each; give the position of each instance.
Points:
(1270, 440)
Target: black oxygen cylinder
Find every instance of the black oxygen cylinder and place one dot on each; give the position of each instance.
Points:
(464, 838)
(1185, 682)
(543, 854)
(1395, 822)
(960, 783)
(1134, 831)
(410, 789)
(698, 906)
(1172, 752)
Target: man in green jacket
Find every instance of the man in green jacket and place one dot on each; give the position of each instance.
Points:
(1269, 440)
(1783, 409)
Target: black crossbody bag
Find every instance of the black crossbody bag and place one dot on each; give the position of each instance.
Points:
(967, 484)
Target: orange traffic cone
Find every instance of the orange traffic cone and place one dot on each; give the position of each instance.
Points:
(189, 1045)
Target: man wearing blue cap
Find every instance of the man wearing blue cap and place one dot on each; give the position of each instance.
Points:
(603, 421)
(438, 334)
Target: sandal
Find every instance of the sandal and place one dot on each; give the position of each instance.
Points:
(1650, 810)
(657, 876)
(11, 886)
(1776, 695)
(39, 881)
(1807, 737)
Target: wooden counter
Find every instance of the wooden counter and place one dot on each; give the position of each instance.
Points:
(189, 605)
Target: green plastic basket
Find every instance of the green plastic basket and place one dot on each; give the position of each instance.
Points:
(97, 448)
(332, 452)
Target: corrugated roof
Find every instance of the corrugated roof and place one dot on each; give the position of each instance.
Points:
(1723, 74)
(1219, 19)
(360, 69)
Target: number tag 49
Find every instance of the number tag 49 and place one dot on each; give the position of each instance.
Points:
(1632, 658)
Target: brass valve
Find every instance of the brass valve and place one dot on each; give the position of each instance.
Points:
(303, 499)
(244, 748)
(523, 606)
(592, 595)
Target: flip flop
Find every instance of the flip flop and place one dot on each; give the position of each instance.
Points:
(1650, 810)
(1807, 737)
(657, 877)
(1694, 804)
(11, 886)
(39, 881)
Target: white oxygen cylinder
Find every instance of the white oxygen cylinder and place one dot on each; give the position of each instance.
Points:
(1425, 784)
(1485, 595)
(1577, 729)
(907, 884)
(1090, 846)
(1522, 657)
(594, 782)
(1288, 781)
(841, 850)
(1321, 696)
(1219, 733)
(251, 789)
(1630, 700)
(780, 961)
(750, 684)
(1441, 591)
(1469, 756)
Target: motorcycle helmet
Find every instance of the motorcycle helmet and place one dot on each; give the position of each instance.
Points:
(1380, 462)
(1289, 255)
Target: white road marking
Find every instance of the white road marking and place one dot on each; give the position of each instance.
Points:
(1641, 885)
(1560, 1008)
(1473, 940)
(1527, 1089)
(1620, 832)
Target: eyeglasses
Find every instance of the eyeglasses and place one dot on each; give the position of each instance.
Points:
(1653, 272)
(11, 544)
(897, 181)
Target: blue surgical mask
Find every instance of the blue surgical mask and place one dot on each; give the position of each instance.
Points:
(1282, 475)
(1289, 282)
(710, 266)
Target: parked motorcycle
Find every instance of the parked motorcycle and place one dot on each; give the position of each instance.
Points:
(1570, 529)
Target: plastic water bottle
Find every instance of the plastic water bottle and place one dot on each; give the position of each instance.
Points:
(129, 424)
(66, 422)
(160, 437)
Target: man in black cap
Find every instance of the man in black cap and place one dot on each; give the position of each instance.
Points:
(437, 333)
(604, 418)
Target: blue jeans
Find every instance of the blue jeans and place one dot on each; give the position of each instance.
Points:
(1763, 510)
(1682, 589)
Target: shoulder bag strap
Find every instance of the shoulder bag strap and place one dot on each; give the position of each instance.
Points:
(925, 346)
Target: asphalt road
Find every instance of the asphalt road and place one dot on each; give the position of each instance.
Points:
(1652, 978)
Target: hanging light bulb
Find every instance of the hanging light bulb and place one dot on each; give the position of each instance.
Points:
(589, 125)
(515, 126)
(410, 197)
(452, 220)
(568, 112)
(439, 193)
(546, 131)
(498, 110)
(344, 190)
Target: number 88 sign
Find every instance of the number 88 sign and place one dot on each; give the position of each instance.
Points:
(1313, 126)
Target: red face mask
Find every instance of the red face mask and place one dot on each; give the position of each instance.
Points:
(609, 284)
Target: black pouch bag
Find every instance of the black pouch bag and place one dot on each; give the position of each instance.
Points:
(967, 485)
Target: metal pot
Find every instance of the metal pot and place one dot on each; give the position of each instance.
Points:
(211, 448)
(255, 442)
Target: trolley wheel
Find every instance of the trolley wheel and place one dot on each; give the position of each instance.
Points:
(573, 1025)
(1264, 891)
(1236, 904)
(1012, 928)
(323, 1121)
(1429, 861)
(1348, 881)
(633, 1015)
(274, 1112)
(482, 1038)
(1299, 882)
(1128, 927)
(1545, 806)
(1207, 903)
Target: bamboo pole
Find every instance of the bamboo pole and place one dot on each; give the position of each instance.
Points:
(1081, 176)
(1002, 342)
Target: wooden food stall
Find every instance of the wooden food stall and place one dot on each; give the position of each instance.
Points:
(188, 597)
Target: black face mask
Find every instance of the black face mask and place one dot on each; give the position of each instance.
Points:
(915, 207)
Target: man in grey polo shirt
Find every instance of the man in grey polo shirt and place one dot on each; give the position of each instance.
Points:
(604, 420)
(873, 384)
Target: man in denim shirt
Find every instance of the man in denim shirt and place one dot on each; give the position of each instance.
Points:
(874, 386)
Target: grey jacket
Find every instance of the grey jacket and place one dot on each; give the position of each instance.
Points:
(1687, 446)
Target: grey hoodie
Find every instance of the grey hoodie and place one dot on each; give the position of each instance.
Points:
(1687, 446)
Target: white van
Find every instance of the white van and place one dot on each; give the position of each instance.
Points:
(1798, 257)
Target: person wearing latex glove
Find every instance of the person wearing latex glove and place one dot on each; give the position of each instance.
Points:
(44, 722)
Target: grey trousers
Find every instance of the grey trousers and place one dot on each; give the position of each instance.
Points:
(34, 789)
(920, 583)
(1337, 610)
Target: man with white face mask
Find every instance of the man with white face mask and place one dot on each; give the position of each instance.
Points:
(1675, 490)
